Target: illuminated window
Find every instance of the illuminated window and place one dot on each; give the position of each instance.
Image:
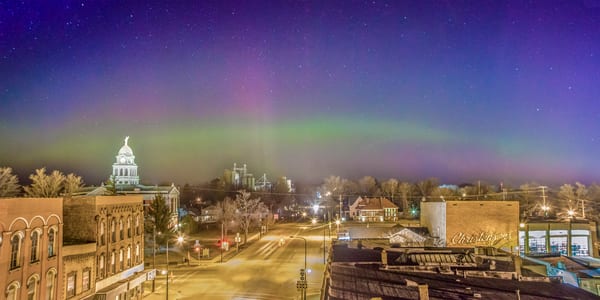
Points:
(137, 225)
(128, 227)
(102, 233)
(85, 280)
(113, 230)
(35, 253)
(113, 265)
(121, 260)
(101, 266)
(128, 256)
(137, 253)
(71, 279)
(121, 232)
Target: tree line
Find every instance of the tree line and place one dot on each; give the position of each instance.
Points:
(43, 185)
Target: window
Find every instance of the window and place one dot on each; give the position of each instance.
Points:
(85, 280)
(137, 253)
(113, 231)
(35, 254)
(71, 279)
(101, 266)
(113, 265)
(128, 227)
(50, 284)
(129, 256)
(121, 232)
(51, 242)
(137, 225)
(121, 260)
(102, 233)
(32, 287)
(15, 249)
(12, 292)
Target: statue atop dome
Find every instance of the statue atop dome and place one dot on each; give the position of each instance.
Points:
(126, 139)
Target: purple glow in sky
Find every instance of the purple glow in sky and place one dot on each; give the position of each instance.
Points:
(491, 90)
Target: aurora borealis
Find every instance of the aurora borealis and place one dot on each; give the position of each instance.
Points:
(462, 91)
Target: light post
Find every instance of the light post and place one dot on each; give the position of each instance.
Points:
(153, 255)
(179, 241)
(302, 272)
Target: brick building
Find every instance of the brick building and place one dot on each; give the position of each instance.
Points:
(115, 226)
(473, 223)
(376, 209)
(31, 237)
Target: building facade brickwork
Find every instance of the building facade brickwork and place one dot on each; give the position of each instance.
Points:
(31, 238)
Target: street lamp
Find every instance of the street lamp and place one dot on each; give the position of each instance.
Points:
(303, 270)
(179, 241)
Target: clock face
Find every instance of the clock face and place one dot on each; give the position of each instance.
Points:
(122, 160)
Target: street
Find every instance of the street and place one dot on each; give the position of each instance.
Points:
(267, 269)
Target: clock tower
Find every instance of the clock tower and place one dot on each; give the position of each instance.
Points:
(125, 169)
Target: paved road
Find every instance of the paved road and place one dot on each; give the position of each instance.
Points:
(264, 270)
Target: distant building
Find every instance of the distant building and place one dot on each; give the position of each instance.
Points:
(124, 169)
(376, 209)
(569, 238)
(31, 251)
(472, 223)
(109, 259)
(127, 182)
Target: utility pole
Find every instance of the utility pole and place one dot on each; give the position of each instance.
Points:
(153, 255)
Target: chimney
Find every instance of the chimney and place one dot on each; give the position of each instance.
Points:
(423, 292)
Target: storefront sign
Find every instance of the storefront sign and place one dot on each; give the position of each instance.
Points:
(480, 238)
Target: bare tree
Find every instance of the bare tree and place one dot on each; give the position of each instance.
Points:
(226, 212)
(389, 188)
(426, 187)
(72, 184)
(248, 211)
(44, 185)
(368, 186)
(405, 190)
(9, 183)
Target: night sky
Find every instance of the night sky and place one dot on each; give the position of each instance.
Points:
(461, 91)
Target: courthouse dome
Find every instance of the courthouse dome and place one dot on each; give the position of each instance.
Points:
(126, 150)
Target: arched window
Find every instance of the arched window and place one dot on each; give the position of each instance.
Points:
(137, 225)
(137, 253)
(51, 285)
(121, 260)
(101, 266)
(113, 230)
(35, 252)
(15, 251)
(121, 228)
(12, 291)
(113, 265)
(129, 256)
(102, 233)
(128, 226)
(51, 242)
(32, 287)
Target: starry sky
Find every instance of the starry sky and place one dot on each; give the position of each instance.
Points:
(459, 90)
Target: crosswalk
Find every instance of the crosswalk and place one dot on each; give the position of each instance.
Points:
(268, 249)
